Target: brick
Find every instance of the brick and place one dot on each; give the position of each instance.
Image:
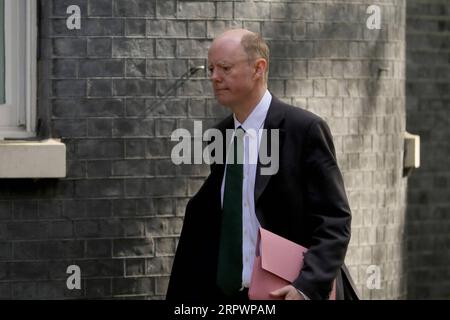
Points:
(163, 226)
(98, 248)
(99, 169)
(6, 251)
(252, 10)
(99, 127)
(135, 67)
(134, 267)
(49, 209)
(166, 9)
(130, 228)
(135, 148)
(168, 108)
(60, 229)
(277, 30)
(86, 229)
(193, 48)
(164, 168)
(145, 207)
(162, 284)
(124, 207)
(26, 250)
(136, 48)
(99, 188)
(156, 28)
(159, 265)
(166, 68)
(299, 88)
(176, 28)
(74, 208)
(135, 187)
(67, 68)
(319, 87)
(5, 210)
(101, 8)
(133, 247)
(24, 290)
(165, 48)
(291, 11)
(98, 288)
(91, 149)
(98, 208)
(129, 286)
(25, 210)
(80, 108)
(69, 128)
(104, 27)
(133, 127)
(331, 49)
(224, 9)
(196, 10)
(130, 168)
(135, 107)
(5, 291)
(96, 267)
(29, 270)
(26, 230)
(99, 47)
(297, 49)
(133, 87)
(319, 68)
(217, 27)
(135, 27)
(134, 8)
(99, 88)
(69, 88)
(61, 249)
(165, 127)
(101, 68)
(165, 246)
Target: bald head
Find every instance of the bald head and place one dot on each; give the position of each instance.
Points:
(251, 43)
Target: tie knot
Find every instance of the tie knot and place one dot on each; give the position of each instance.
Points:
(239, 132)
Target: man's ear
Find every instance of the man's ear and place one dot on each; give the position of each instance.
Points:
(260, 67)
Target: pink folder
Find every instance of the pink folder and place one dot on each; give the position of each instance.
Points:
(277, 264)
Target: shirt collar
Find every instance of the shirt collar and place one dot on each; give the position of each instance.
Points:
(256, 119)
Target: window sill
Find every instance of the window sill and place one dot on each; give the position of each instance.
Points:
(32, 159)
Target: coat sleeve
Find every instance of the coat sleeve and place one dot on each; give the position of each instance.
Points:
(329, 214)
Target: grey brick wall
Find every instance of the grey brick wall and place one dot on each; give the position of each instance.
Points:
(119, 212)
(428, 87)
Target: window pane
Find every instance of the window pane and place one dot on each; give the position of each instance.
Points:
(2, 52)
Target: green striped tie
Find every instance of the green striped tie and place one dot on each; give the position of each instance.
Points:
(229, 272)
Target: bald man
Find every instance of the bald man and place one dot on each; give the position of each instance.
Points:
(304, 200)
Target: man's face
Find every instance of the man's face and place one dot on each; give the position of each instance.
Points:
(230, 72)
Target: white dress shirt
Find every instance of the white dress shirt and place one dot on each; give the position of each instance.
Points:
(250, 223)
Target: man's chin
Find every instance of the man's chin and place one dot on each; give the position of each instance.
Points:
(222, 100)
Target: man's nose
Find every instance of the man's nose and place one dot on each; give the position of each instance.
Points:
(214, 76)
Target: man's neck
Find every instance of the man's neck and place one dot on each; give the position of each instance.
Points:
(243, 111)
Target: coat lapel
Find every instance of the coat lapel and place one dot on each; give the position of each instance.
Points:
(274, 118)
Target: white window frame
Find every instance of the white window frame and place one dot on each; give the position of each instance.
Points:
(19, 111)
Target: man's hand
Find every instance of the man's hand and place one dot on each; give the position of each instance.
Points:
(288, 293)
